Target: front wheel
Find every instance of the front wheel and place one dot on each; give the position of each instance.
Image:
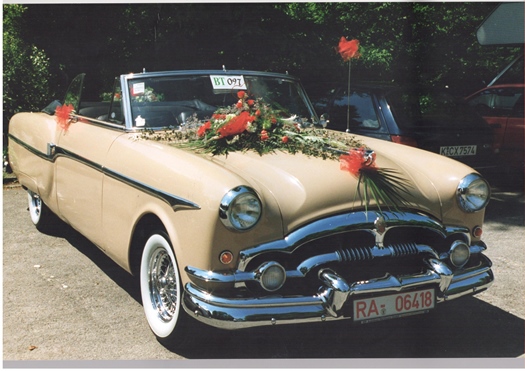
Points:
(161, 290)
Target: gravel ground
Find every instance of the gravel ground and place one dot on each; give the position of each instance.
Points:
(63, 300)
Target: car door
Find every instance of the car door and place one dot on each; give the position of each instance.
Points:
(513, 140)
(81, 154)
(502, 108)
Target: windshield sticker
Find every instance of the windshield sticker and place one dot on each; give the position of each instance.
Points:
(138, 89)
(228, 82)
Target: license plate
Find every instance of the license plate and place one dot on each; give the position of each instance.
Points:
(397, 305)
(457, 151)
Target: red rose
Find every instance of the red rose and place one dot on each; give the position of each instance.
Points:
(203, 129)
(355, 160)
(285, 139)
(250, 102)
(236, 125)
(239, 104)
(258, 113)
(241, 94)
(264, 135)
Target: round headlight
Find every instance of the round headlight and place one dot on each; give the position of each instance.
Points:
(271, 276)
(473, 193)
(240, 209)
(459, 253)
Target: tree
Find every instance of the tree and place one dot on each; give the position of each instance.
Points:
(428, 43)
(26, 68)
(432, 44)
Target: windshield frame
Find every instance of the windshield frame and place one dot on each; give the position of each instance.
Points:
(127, 80)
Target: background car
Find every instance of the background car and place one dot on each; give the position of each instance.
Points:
(502, 107)
(431, 120)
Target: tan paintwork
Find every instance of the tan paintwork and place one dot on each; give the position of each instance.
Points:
(294, 189)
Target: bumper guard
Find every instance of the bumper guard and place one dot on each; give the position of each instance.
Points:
(333, 295)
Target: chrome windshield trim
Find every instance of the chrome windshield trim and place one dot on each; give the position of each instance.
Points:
(106, 124)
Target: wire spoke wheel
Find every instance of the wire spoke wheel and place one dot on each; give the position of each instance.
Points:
(161, 290)
(163, 284)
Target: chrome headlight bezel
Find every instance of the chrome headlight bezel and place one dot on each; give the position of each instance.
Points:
(240, 209)
(473, 193)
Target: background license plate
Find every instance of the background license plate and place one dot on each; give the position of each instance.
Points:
(393, 305)
(454, 151)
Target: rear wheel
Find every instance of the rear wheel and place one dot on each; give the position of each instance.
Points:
(41, 216)
(161, 290)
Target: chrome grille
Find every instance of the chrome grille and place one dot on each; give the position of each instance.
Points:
(368, 253)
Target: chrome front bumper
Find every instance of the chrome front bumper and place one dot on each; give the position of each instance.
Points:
(332, 296)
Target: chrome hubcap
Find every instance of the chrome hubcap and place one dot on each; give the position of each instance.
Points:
(163, 284)
(36, 204)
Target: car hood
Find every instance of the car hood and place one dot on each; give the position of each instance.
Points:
(308, 188)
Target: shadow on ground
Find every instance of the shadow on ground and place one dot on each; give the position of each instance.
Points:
(466, 327)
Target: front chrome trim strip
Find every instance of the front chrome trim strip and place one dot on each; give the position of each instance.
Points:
(308, 265)
(353, 221)
(331, 298)
(175, 202)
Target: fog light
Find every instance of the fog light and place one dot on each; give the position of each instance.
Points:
(271, 276)
(459, 254)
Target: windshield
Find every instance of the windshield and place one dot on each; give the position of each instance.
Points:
(168, 101)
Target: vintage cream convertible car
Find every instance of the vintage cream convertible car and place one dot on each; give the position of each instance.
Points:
(223, 192)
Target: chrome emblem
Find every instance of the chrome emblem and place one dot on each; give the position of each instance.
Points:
(380, 225)
(379, 231)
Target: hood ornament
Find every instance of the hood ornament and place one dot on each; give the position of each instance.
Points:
(379, 231)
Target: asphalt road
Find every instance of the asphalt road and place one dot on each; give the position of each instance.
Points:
(64, 300)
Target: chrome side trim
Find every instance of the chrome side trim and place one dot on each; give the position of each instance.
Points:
(33, 150)
(176, 203)
(54, 151)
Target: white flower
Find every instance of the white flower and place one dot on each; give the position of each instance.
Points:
(250, 127)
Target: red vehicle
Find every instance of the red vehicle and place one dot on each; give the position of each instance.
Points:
(502, 107)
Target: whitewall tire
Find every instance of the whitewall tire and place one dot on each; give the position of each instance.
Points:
(43, 218)
(161, 289)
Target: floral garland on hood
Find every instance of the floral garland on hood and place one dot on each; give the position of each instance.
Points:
(253, 125)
